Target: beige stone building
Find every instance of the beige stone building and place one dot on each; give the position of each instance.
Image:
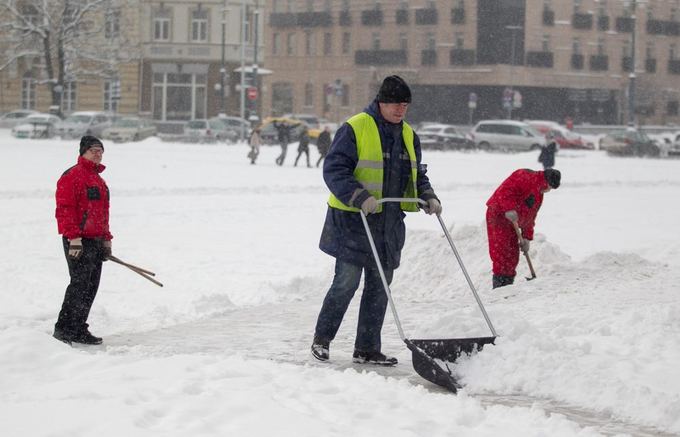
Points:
(545, 59)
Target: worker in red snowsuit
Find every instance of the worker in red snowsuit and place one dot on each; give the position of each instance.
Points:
(83, 221)
(516, 200)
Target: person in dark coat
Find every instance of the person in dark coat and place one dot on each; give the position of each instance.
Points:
(323, 143)
(547, 155)
(82, 214)
(515, 202)
(303, 147)
(374, 155)
(283, 130)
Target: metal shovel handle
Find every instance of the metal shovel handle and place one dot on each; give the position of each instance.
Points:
(382, 272)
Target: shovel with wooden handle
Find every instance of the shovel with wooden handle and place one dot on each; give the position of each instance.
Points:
(526, 253)
(146, 274)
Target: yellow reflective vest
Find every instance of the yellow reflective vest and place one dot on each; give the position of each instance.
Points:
(369, 169)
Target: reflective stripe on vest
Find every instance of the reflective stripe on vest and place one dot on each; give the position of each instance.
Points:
(369, 169)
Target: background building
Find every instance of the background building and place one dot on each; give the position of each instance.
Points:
(473, 59)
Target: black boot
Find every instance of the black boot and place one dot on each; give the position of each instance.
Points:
(320, 349)
(376, 358)
(502, 281)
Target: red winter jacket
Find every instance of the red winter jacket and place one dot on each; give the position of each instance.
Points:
(83, 202)
(522, 192)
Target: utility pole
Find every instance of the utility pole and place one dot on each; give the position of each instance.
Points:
(223, 69)
(631, 76)
(243, 67)
(256, 81)
(512, 30)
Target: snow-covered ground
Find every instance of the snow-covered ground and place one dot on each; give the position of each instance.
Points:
(589, 348)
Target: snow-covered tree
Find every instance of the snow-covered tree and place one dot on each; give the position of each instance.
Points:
(70, 40)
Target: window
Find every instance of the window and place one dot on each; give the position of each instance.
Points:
(310, 44)
(625, 49)
(576, 46)
(161, 25)
(276, 43)
(545, 43)
(346, 43)
(199, 25)
(430, 41)
(28, 92)
(309, 94)
(577, 6)
(649, 50)
(403, 41)
(111, 95)
(600, 46)
(672, 52)
(68, 102)
(375, 37)
(327, 44)
(459, 40)
(290, 44)
(112, 24)
(179, 96)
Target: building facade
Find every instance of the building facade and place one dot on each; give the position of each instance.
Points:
(183, 62)
(474, 59)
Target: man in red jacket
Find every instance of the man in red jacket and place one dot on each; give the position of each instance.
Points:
(516, 200)
(83, 220)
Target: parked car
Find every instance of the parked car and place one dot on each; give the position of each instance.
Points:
(629, 142)
(83, 123)
(313, 123)
(674, 149)
(506, 135)
(270, 134)
(14, 118)
(127, 129)
(36, 125)
(564, 138)
(443, 137)
(236, 124)
(208, 131)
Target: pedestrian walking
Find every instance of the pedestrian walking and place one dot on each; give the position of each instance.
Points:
(547, 155)
(254, 141)
(303, 146)
(515, 203)
(323, 143)
(374, 155)
(82, 214)
(283, 130)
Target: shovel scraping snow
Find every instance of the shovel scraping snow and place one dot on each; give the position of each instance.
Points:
(430, 357)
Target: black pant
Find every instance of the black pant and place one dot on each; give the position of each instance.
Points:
(300, 152)
(282, 156)
(80, 293)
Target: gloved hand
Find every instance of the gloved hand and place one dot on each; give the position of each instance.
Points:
(512, 216)
(524, 245)
(433, 207)
(370, 205)
(106, 250)
(75, 248)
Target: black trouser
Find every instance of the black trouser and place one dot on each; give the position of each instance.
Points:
(80, 293)
(300, 152)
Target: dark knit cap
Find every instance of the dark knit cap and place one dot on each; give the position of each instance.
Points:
(552, 177)
(89, 141)
(394, 90)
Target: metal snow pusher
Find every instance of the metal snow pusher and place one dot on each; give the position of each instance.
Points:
(430, 357)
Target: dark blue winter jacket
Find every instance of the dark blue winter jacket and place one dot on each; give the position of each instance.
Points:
(343, 235)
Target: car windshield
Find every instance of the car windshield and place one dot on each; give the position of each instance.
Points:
(196, 124)
(127, 122)
(78, 118)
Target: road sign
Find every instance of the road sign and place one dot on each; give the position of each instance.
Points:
(517, 100)
(472, 101)
(252, 93)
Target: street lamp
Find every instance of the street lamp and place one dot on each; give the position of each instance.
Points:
(256, 82)
(243, 69)
(223, 70)
(631, 76)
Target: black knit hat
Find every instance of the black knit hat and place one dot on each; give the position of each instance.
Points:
(552, 177)
(89, 141)
(394, 90)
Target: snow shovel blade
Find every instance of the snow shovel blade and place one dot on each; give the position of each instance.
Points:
(451, 348)
(428, 368)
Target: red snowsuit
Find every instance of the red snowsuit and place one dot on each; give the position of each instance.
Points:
(521, 192)
(83, 202)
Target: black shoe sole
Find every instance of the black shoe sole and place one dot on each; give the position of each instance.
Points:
(374, 363)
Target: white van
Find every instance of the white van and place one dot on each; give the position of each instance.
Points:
(506, 135)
